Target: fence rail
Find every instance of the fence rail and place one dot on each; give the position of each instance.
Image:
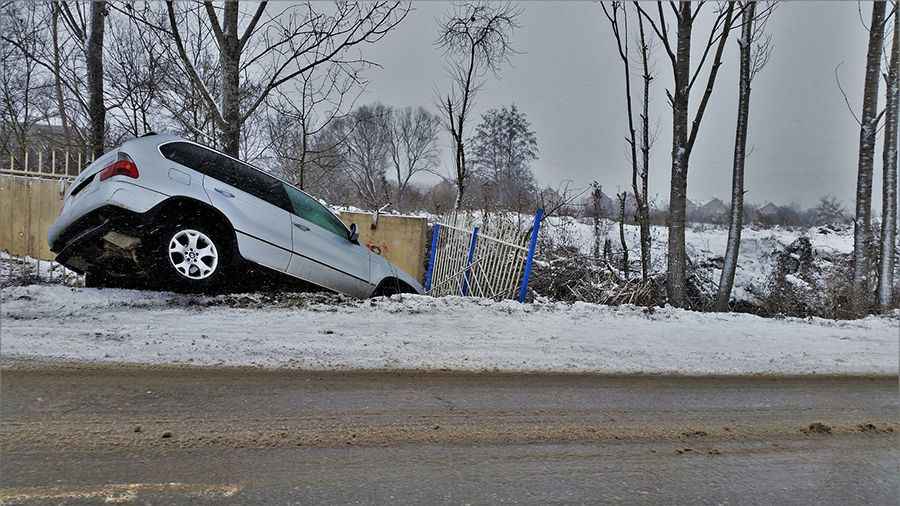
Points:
(49, 163)
(482, 256)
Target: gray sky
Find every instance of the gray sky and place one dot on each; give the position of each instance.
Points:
(569, 81)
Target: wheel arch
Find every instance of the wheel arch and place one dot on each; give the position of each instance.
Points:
(173, 209)
(391, 285)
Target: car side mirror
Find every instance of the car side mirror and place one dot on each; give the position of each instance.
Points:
(354, 234)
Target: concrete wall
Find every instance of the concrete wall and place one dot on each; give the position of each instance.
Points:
(400, 239)
(28, 206)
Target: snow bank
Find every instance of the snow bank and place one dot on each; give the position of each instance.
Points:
(26, 270)
(414, 332)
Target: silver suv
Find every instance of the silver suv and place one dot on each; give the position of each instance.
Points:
(185, 216)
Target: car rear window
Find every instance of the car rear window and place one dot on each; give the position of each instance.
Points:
(229, 171)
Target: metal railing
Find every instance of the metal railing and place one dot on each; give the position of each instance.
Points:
(47, 163)
(481, 256)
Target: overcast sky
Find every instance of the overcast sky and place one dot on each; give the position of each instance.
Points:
(569, 81)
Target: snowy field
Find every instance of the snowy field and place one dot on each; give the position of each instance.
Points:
(317, 332)
(706, 244)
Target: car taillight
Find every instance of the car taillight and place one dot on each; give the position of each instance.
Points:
(124, 166)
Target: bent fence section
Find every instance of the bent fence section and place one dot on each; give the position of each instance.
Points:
(481, 255)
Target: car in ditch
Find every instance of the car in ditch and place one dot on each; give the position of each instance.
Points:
(186, 217)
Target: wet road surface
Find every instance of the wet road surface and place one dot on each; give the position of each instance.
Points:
(185, 436)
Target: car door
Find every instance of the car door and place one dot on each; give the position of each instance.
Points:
(256, 205)
(322, 251)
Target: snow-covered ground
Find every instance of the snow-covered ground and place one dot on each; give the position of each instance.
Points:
(421, 333)
(15, 271)
(706, 246)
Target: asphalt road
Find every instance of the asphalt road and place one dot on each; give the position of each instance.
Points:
(186, 436)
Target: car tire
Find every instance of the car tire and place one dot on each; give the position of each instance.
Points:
(192, 258)
(94, 279)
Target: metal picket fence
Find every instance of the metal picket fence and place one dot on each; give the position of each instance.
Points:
(62, 163)
(481, 256)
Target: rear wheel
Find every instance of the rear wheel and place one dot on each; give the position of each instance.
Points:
(193, 257)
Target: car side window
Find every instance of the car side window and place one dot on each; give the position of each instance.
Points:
(310, 210)
(258, 184)
(229, 171)
(193, 156)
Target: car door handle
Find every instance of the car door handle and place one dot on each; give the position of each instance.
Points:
(301, 226)
(225, 193)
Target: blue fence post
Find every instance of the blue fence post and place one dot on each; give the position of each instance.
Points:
(472, 243)
(532, 244)
(435, 234)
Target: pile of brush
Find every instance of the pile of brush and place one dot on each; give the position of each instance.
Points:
(575, 277)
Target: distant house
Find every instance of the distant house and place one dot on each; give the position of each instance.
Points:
(691, 208)
(769, 214)
(714, 211)
(770, 211)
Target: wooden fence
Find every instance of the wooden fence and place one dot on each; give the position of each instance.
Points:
(32, 184)
(28, 206)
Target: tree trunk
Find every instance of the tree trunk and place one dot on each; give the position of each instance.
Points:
(230, 58)
(460, 172)
(596, 200)
(622, 197)
(57, 78)
(643, 202)
(304, 148)
(726, 282)
(869, 119)
(94, 63)
(889, 171)
(676, 282)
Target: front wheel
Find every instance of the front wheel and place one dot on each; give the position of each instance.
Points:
(193, 257)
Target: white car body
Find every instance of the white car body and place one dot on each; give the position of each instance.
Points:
(275, 225)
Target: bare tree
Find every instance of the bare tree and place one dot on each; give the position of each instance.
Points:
(94, 65)
(297, 117)
(74, 56)
(268, 53)
(684, 134)
(597, 212)
(622, 197)
(641, 194)
(23, 89)
(475, 38)
(366, 152)
(134, 68)
(185, 106)
(325, 174)
(55, 65)
(755, 48)
(889, 174)
(413, 147)
(617, 15)
(868, 129)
